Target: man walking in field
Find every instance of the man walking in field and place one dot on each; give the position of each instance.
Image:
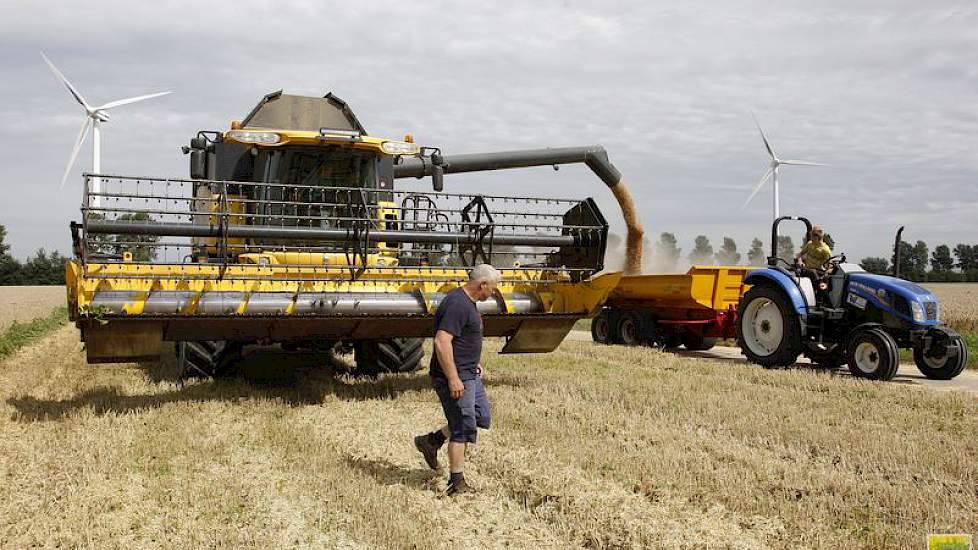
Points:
(456, 375)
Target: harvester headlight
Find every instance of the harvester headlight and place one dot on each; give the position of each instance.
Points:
(262, 138)
(399, 148)
(919, 316)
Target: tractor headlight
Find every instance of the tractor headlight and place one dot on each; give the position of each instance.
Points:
(919, 316)
(399, 148)
(262, 138)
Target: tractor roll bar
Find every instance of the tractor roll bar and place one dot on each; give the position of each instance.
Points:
(772, 260)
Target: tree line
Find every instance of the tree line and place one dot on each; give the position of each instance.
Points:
(40, 269)
(917, 261)
(45, 268)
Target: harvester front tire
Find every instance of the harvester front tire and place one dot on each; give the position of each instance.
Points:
(873, 354)
(601, 328)
(374, 357)
(697, 342)
(768, 328)
(211, 358)
(942, 368)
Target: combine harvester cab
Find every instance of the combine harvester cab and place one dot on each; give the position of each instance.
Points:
(693, 309)
(291, 231)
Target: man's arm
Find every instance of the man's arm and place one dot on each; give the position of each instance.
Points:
(446, 359)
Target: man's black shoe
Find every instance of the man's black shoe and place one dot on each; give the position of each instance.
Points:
(428, 450)
(460, 487)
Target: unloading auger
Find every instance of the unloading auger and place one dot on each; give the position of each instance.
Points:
(290, 231)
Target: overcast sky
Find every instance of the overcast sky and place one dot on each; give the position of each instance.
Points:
(884, 92)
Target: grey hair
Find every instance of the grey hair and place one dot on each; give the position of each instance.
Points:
(484, 272)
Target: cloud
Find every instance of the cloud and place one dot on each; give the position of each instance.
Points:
(882, 91)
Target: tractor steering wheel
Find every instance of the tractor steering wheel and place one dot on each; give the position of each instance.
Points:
(832, 263)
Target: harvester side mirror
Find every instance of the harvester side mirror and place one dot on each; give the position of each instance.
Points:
(198, 164)
(437, 178)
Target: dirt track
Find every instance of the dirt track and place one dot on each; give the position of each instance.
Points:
(908, 374)
(25, 303)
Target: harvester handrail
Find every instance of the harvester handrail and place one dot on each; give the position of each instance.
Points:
(504, 198)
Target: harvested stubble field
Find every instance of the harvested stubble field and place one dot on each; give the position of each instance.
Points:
(25, 303)
(592, 447)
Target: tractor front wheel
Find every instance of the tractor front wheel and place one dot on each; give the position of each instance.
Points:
(768, 328)
(873, 354)
(945, 365)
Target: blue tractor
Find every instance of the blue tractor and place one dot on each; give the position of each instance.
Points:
(843, 315)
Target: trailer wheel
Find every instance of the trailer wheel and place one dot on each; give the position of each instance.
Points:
(695, 341)
(629, 330)
(947, 365)
(395, 355)
(873, 354)
(601, 328)
(768, 328)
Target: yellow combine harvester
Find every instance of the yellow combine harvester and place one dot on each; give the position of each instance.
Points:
(290, 230)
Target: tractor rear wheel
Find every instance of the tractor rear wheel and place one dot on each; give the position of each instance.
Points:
(768, 328)
(394, 355)
(946, 366)
(873, 354)
(695, 341)
(601, 328)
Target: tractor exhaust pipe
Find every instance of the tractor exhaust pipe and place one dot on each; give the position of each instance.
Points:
(594, 156)
(897, 260)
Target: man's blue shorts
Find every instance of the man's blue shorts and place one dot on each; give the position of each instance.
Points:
(467, 413)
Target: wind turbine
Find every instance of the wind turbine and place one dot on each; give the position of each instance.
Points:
(94, 119)
(773, 169)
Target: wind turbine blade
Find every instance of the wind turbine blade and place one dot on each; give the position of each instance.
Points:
(767, 176)
(78, 97)
(120, 102)
(766, 144)
(802, 163)
(74, 152)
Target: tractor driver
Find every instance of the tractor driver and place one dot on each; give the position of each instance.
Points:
(815, 253)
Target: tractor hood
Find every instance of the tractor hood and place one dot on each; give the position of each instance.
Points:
(891, 293)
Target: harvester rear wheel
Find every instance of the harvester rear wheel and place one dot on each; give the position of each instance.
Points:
(395, 355)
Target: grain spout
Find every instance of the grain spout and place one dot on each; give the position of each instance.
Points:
(633, 239)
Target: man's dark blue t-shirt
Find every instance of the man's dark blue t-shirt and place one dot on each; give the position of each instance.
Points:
(457, 314)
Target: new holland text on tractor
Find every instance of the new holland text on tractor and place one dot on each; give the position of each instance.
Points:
(843, 315)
